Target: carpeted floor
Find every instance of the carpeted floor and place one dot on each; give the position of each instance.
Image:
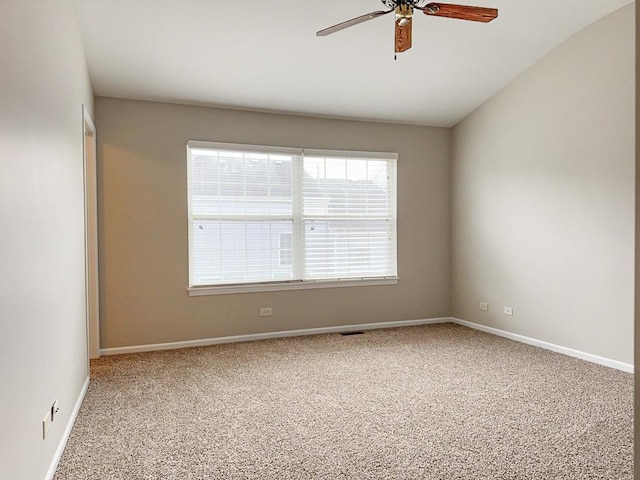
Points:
(433, 402)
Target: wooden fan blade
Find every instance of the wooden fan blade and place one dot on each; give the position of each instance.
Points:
(462, 12)
(353, 21)
(403, 36)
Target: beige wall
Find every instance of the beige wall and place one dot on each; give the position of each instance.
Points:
(43, 348)
(143, 225)
(543, 197)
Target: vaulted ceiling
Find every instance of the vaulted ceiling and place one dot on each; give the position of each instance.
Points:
(264, 55)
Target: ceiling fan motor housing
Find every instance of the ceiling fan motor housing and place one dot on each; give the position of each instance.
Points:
(399, 3)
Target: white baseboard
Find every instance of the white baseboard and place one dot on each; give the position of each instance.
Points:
(589, 357)
(67, 431)
(625, 367)
(263, 336)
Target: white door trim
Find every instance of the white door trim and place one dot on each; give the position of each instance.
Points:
(91, 233)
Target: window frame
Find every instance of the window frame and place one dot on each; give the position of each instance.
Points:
(296, 284)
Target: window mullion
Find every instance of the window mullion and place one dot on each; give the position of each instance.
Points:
(298, 237)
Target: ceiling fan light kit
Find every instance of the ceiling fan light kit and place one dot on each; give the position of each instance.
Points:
(404, 16)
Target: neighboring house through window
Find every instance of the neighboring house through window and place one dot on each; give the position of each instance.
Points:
(285, 249)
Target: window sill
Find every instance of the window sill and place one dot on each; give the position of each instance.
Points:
(270, 287)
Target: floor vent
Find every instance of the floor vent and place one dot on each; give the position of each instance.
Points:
(358, 332)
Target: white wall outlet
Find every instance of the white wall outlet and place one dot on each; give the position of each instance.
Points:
(484, 306)
(508, 311)
(46, 423)
(266, 312)
(54, 410)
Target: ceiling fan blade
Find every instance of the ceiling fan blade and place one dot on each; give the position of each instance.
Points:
(350, 23)
(403, 35)
(462, 12)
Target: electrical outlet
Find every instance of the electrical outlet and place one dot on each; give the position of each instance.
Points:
(484, 306)
(46, 423)
(266, 312)
(54, 409)
(508, 311)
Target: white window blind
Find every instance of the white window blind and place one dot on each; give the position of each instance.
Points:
(270, 215)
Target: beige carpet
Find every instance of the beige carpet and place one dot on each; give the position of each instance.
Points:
(432, 402)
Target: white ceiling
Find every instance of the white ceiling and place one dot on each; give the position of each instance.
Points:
(264, 55)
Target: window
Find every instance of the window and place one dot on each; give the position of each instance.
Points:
(285, 249)
(267, 218)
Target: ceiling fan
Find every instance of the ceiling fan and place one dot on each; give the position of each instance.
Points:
(404, 15)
